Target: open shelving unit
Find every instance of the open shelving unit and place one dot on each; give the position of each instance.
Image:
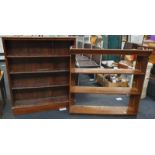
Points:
(38, 71)
(134, 93)
(42, 76)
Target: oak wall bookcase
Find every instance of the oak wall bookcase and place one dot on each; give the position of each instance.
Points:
(142, 57)
(38, 72)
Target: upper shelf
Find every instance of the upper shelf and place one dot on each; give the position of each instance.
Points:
(40, 87)
(34, 38)
(40, 56)
(38, 72)
(111, 51)
(106, 71)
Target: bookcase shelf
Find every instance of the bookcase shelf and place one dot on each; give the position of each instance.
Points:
(104, 90)
(38, 56)
(38, 72)
(40, 87)
(40, 104)
(106, 71)
(134, 92)
(40, 101)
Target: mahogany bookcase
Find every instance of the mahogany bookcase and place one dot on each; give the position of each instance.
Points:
(142, 57)
(38, 72)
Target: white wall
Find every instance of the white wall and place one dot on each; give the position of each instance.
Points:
(1, 47)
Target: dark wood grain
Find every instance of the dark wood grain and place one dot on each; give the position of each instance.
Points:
(38, 71)
(111, 51)
(39, 80)
(37, 105)
(38, 64)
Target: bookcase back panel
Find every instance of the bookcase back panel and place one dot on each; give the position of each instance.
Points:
(34, 48)
(40, 93)
(35, 80)
(39, 64)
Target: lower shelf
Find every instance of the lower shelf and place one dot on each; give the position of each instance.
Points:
(100, 110)
(104, 90)
(38, 105)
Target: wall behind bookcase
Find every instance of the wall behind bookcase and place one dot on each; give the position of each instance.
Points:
(1, 49)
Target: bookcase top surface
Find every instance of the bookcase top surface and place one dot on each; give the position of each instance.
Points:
(40, 38)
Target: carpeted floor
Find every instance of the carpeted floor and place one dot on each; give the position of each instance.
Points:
(146, 110)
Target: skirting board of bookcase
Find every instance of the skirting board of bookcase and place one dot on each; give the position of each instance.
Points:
(18, 110)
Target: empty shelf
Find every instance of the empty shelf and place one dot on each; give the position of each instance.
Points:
(40, 87)
(39, 56)
(39, 72)
(100, 110)
(106, 71)
(104, 90)
(40, 101)
(42, 104)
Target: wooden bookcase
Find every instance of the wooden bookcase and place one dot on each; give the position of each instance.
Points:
(38, 72)
(134, 93)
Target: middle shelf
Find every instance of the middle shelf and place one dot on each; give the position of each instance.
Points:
(40, 87)
(39, 65)
(38, 72)
(37, 56)
(34, 81)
